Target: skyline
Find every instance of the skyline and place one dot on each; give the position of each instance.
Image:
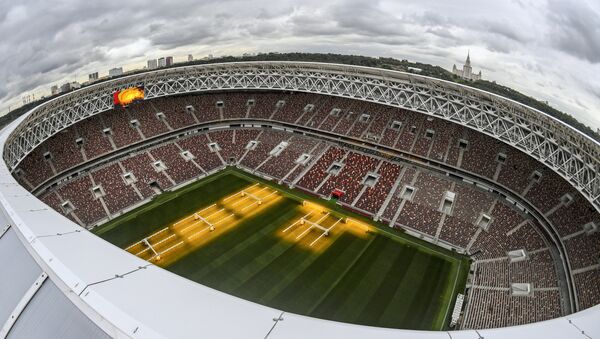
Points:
(548, 50)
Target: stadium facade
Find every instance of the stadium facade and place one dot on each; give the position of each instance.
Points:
(66, 282)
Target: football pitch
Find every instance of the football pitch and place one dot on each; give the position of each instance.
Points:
(282, 248)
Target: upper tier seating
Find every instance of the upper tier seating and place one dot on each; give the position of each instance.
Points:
(384, 197)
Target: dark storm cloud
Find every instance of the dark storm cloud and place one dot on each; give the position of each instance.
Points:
(501, 29)
(576, 29)
(514, 42)
(59, 38)
(372, 20)
(495, 33)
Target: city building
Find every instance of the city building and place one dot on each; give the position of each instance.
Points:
(69, 86)
(54, 90)
(28, 98)
(113, 72)
(467, 71)
(161, 62)
(190, 57)
(152, 64)
(93, 76)
(169, 61)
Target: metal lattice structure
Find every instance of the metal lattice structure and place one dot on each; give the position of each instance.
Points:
(568, 152)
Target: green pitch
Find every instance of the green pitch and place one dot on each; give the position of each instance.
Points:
(384, 278)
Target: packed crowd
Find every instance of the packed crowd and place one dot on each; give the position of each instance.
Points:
(492, 308)
(374, 197)
(350, 179)
(401, 195)
(279, 166)
(423, 211)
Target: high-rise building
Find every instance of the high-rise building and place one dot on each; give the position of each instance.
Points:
(113, 72)
(161, 62)
(169, 61)
(190, 57)
(152, 64)
(69, 86)
(93, 76)
(54, 90)
(65, 87)
(27, 99)
(467, 71)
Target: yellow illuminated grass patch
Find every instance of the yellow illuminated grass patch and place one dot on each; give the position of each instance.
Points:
(174, 241)
(319, 227)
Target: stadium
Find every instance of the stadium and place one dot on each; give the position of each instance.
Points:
(287, 199)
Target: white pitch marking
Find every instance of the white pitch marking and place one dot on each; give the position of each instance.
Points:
(274, 192)
(210, 215)
(200, 221)
(130, 247)
(234, 194)
(252, 204)
(156, 233)
(141, 241)
(297, 221)
(227, 217)
(190, 226)
(142, 251)
(165, 239)
(169, 249)
(311, 227)
(247, 196)
(259, 200)
(239, 201)
(303, 233)
(206, 208)
(198, 233)
(208, 227)
(324, 233)
(189, 216)
(184, 219)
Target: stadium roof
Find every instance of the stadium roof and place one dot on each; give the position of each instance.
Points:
(66, 282)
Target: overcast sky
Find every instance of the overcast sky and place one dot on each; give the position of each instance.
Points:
(547, 49)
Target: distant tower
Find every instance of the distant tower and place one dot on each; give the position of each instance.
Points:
(152, 64)
(467, 71)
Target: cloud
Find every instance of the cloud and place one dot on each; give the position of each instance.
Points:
(576, 29)
(549, 49)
